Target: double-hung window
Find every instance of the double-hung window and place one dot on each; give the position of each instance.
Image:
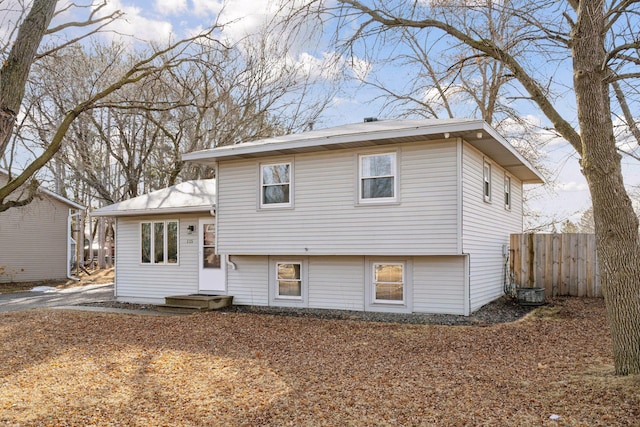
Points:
(389, 283)
(275, 185)
(507, 192)
(486, 181)
(378, 178)
(159, 242)
(289, 280)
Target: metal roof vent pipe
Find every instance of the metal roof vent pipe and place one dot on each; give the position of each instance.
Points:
(370, 119)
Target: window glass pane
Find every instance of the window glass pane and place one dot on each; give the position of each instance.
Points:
(275, 174)
(487, 181)
(373, 188)
(389, 282)
(377, 165)
(209, 258)
(172, 242)
(289, 271)
(390, 292)
(289, 281)
(208, 234)
(289, 288)
(158, 242)
(275, 194)
(507, 192)
(145, 240)
(388, 273)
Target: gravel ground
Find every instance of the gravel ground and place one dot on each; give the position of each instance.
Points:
(503, 310)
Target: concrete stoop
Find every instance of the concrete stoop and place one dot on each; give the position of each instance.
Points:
(195, 303)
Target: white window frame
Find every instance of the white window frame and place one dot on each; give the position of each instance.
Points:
(275, 299)
(374, 283)
(288, 204)
(165, 242)
(507, 192)
(486, 181)
(300, 279)
(394, 175)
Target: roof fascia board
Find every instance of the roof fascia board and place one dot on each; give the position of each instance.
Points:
(320, 140)
(162, 211)
(61, 198)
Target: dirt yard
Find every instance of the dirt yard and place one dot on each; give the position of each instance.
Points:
(552, 368)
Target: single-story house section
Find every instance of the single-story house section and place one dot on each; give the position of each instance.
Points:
(35, 240)
(400, 216)
(165, 244)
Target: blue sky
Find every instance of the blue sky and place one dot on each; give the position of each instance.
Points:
(160, 20)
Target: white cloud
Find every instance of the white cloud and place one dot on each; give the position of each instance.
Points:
(171, 7)
(572, 186)
(452, 94)
(134, 24)
(206, 8)
(360, 68)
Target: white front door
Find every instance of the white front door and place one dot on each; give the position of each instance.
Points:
(212, 277)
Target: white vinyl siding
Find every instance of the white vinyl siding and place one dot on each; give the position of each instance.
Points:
(136, 282)
(33, 241)
(438, 285)
(433, 284)
(336, 283)
(326, 220)
(486, 228)
(249, 281)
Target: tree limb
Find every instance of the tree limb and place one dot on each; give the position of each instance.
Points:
(626, 111)
(490, 49)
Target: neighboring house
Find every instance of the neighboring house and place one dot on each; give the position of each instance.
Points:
(35, 240)
(399, 216)
(165, 244)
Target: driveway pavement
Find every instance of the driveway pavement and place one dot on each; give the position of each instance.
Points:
(52, 297)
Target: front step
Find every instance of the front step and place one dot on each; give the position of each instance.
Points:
(180, 309)
(193, 303)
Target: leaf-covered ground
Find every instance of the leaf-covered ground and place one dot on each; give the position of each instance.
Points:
(64, 368)
(91, 277)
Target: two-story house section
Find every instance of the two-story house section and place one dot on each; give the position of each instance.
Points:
(399, 215)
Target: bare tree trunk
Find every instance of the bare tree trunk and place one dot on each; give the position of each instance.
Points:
(110, 241)
(616, 225)
(15, 70)
(101, 243)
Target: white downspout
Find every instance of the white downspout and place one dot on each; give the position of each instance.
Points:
(69, 240)
(230, 263)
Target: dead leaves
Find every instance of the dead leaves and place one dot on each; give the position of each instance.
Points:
(75, 368)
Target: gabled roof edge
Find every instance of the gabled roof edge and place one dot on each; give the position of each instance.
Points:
(52, 194)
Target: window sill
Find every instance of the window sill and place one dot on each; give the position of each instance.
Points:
(275, 208)
(378, 303)
(288, 299)
(378, 203)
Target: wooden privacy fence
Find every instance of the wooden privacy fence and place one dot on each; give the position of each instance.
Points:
(564, 264)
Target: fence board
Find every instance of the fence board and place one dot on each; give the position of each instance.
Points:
(564, 264)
